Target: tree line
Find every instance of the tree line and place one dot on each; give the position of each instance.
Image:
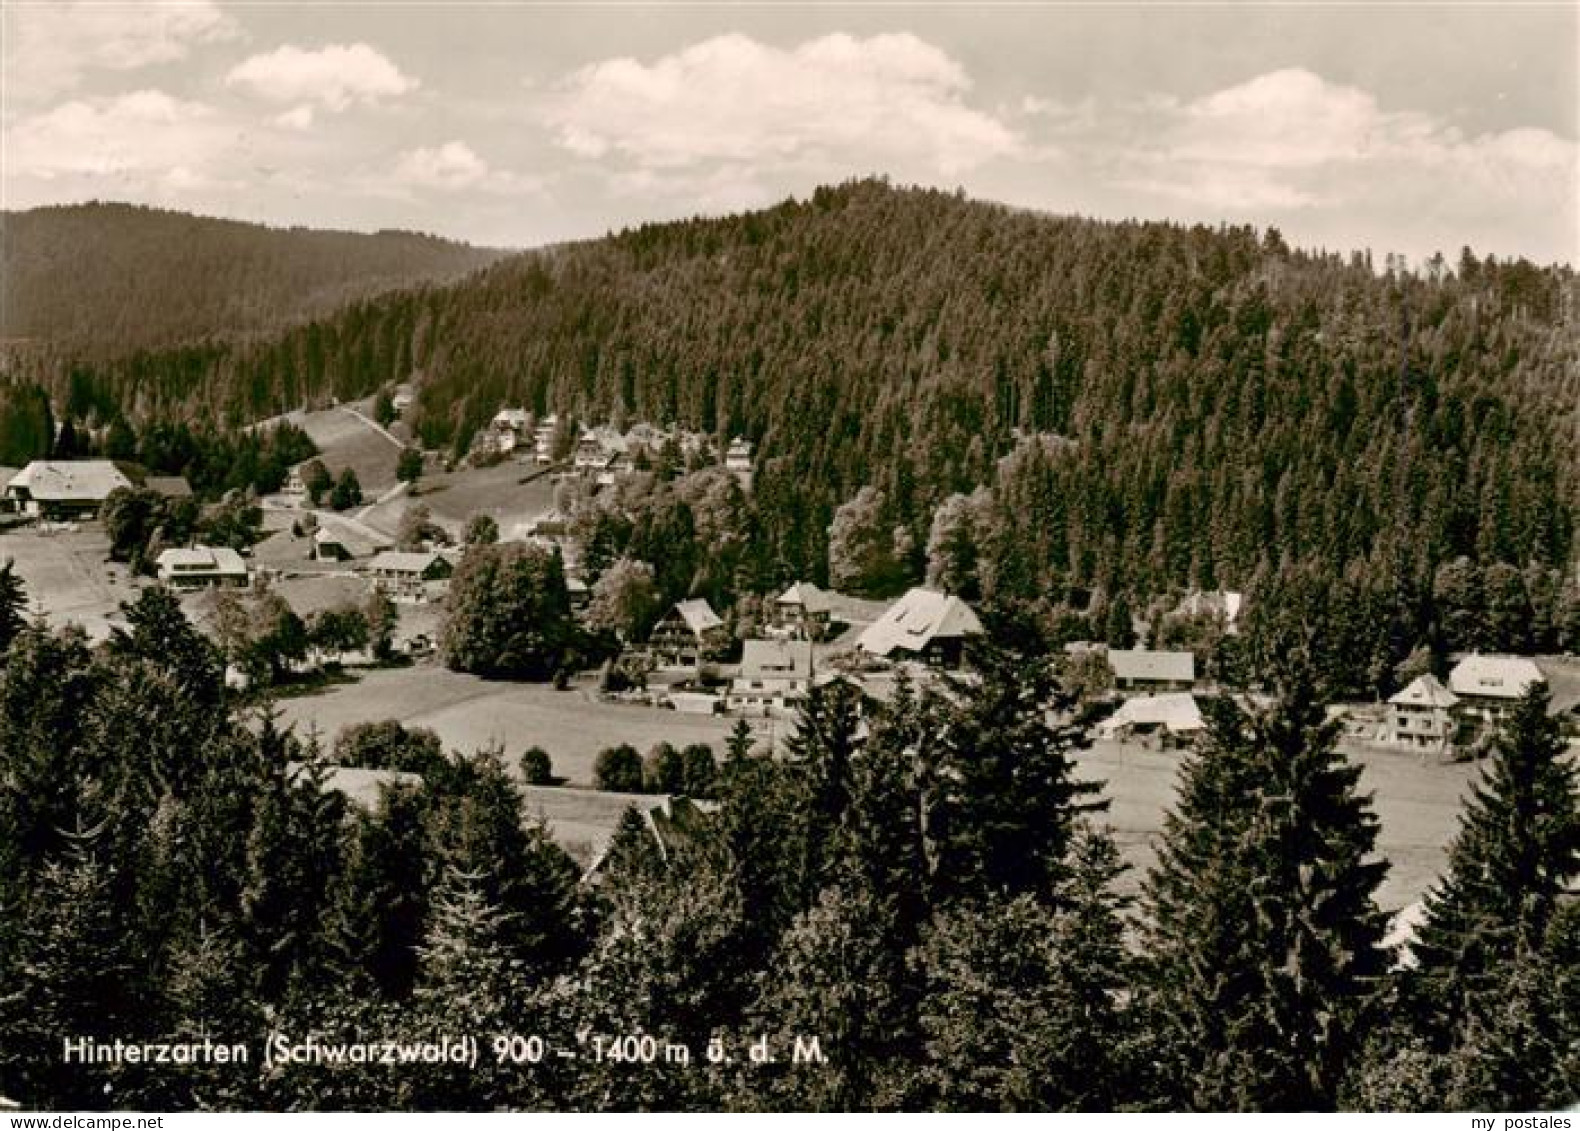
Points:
(924, 885)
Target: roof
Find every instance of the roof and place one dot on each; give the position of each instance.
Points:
(916, 620)
(1177, 713)
(776, 659)
(804, 595)
(359, 540)
(85, 480)
(405, 561)
(1494, 677)
(1155, 667)
(170, 486)
(511, 417)
(216, 559)
(698, 615)
(1425, 691)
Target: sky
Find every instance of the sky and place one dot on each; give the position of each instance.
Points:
(1400, 127)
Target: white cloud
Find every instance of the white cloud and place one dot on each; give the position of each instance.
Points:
(452, 165)
(134, 138)
(50, 47)
(296, 118)
(889, 102)
(1290, 139)
(455, 167)
(333, 77)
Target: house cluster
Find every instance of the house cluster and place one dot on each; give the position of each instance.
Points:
(778, 668)
(1157, 701)
(1481, 690)
(69, 490)
(601, 452)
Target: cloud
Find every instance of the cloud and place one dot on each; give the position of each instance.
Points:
(889, 102)
(455, 167)
(50, 47)
(145, 137)
(332, 77)
(1290, 139)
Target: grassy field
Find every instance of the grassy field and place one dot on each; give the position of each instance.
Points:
(1417, 803)
(343, 441)
(69, 577)
(470, 714)
(454, 497)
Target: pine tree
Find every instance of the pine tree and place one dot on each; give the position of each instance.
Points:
(1517, 852)
(1007, 795)
(1263, 935)
(13, 606)
(1021, 1005)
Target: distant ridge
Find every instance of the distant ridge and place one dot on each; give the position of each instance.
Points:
(102, 279)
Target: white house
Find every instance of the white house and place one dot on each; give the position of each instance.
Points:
(738, 457)
(1489, 686)
(774, 674)
(922, 625)
(1140, 669)
(1172, 718)
(405, 574)
(804, 610)
(201, 566)
(1422, 715)
(64, 489)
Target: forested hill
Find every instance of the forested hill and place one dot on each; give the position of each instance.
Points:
(1212, 403)
(105, 279)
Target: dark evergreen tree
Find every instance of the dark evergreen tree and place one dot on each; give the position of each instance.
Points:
(1262, 934)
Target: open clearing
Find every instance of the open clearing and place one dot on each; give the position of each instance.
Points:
(1418, 803)
(454, 497)
(346, 440)
(471, 714)
(69, 577)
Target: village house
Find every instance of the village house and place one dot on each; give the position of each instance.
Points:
(1221, 603)
(774, 675)
(201, 566)
(923, 625)
(1489, 686)
(738, 457)
(1422, 715)
(543, 439)
(406, 575)
(1149, 672)
(1169, 720)
(689, 632)
(65, 489)
(803, 610)
(402, 400)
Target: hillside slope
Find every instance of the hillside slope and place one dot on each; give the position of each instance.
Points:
(1221, 403)
(114, 278)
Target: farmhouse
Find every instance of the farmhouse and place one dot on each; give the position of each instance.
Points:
(405, 575)
(774, 674)
(1171, 719)
(1489, 686)
(924, 625)
(738, 457)
(803, 610)
(1139, 669)
(201, 566)
(65, 489)
(1422, 715)
(687, 632)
